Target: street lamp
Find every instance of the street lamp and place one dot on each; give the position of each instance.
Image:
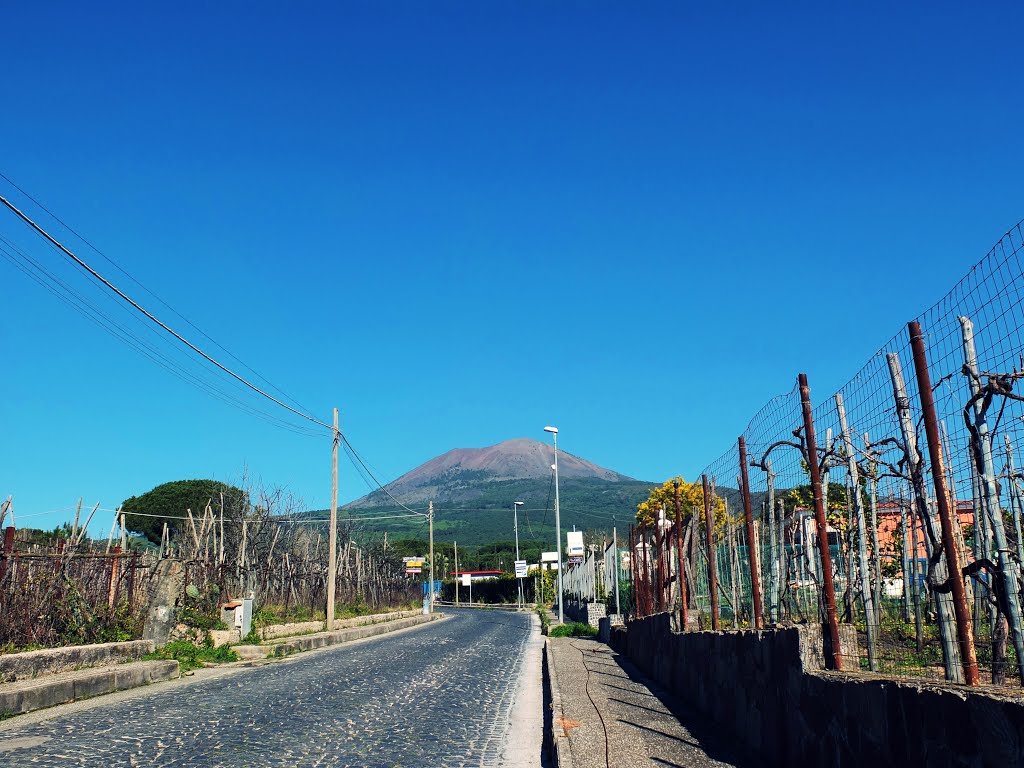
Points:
(558, 524)
(515, 526)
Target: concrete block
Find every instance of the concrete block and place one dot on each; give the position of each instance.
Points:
(87, 686)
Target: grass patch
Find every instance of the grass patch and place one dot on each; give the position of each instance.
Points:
(192, 656)
(545, 619)
(573, 629)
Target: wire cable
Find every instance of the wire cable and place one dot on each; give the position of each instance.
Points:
(153, 318)
(145, 288)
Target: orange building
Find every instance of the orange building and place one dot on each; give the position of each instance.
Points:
(890, 521)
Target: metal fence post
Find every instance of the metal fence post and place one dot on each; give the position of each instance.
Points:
(964, 629)
(833, 654)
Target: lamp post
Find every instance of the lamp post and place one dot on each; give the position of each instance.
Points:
(515, 526)
(558, 524)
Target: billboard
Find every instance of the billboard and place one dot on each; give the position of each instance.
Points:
(574, 543)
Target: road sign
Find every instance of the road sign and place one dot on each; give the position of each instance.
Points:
(413, 570)
(575, 559)
(414, 562)
(520, 569)
(466, 579)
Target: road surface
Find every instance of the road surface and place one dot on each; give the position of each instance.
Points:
(438, 695)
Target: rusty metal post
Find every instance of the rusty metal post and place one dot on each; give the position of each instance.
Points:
(712, 566)
(8, 550)
(683, 616)
(964, 629)
(833, 655)
(755, 574)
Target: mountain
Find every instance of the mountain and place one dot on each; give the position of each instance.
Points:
(473, 490)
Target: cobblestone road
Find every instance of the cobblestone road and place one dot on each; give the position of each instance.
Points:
(435, 696)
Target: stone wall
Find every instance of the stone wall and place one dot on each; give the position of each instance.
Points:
(768, 686)
(584, 612)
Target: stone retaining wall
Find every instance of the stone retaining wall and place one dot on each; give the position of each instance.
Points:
(50, 661)
(583, 612)
(769, 688)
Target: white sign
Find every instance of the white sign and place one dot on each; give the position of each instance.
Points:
(466, 579)
(549, 557)
(574, 543)
(520, 569)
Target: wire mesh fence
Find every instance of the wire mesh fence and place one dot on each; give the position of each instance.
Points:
(918, 508)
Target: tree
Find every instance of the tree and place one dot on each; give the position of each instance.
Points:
(802, 497)
(691, 496)
(167, 503)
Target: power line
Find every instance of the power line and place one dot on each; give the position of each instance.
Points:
(145, 288)
(138, 307)
(42, 276)
(269, 521)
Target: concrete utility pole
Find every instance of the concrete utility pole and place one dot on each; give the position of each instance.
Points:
(615, 568)
(558, 525)
(456, 572)
(332, 538)
(430, 520)
(515, 526)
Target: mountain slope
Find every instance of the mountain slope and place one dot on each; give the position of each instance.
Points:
(473, 490)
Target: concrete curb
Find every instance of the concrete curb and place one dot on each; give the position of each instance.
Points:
(560, 752)
(52, 661)
(325, 639)
(40, 693)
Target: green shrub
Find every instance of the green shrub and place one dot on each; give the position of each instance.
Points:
(545, 620)
(573, 629)
(192, 656)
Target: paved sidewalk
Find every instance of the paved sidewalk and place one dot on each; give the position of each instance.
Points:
(602, 693)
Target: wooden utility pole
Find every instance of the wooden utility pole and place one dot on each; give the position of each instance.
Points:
(834, 655)
(964, 628)
(332, 537)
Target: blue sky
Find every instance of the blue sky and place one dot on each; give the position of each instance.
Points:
(459, 222)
